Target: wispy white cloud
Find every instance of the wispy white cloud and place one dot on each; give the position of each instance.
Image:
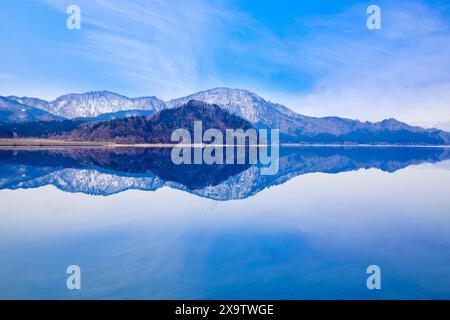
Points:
(162, 46)
(174, 47)
(401, 71)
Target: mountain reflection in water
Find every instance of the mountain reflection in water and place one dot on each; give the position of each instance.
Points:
(102, 171)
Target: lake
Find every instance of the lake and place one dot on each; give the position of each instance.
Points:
(140, 227)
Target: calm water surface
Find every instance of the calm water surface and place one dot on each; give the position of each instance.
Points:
(142, 228)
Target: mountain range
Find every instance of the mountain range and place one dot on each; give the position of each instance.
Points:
(105, 106)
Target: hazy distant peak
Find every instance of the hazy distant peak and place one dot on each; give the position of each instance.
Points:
(12, 111)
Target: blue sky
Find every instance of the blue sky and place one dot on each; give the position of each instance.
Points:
(317, 57)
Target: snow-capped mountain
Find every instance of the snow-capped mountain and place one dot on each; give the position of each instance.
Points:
(240, 102)
(247, 105)
(14, 112)
(92, 104)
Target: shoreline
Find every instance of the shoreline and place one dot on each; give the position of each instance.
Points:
(43, 143)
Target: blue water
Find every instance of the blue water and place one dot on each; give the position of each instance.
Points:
(140, 228)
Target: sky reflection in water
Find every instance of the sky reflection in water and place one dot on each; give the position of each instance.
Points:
(305, 233)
